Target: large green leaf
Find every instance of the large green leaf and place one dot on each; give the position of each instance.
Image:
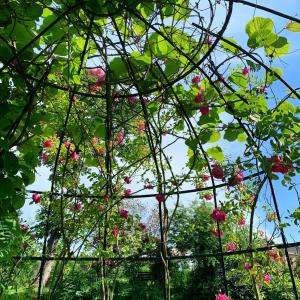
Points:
(239, 79)
(216, 153)
(287, 107)
(146, 9)
(6, 188)
(20, 33)
(99, 128)
(33, 10)
(158, 46)
(11, 163)
(262, 38)
(258, 24)
(119, 68)
(279, 48)
(141, 59)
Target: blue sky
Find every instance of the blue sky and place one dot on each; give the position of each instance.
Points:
(290, 65)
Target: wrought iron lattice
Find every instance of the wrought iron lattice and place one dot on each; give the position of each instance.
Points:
(118, 68)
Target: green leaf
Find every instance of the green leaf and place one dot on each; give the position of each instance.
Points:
(27, 175)
(212, 117)
(4, 144)
(91, 162)
(19, 200)
(239, 79)
(208, 135)
(253, 66)
(216, 153)
(214, 137)
(242, 137)
(146, 9)
(287, 107)
(157, 45)
(11, 163)
(230, 134)
(278, 48)
(138, 27)
(179, 126)
(262, 38)
(167, 11)
(6, 188)
(182, 11)
(5, 52)
(270, 78)
(33, 10)
(47, 12)
(21, 34)
(172, 67)
(142, 59)
(100, 131)
(61, 49)
(119, 68)
(258, 24)
(152, 107)
(192, 143)
(293, 26)
(229, 48)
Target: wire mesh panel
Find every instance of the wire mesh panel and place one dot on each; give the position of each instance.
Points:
(172, 151)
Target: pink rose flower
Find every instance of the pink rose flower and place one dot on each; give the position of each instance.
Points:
(123, 213)
(237, 177)
(241, 221)
(97, 72)
(267, 278)
(74, 156)
(115, 232)
(101, 207)
(246, 71)
(127, 193)
(218, 215)
(36, 198)
(217, 233)
(120, 137)
(222, 297)
(208, 196)
(230, 247)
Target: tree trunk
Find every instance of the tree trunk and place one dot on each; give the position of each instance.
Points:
(51, 247)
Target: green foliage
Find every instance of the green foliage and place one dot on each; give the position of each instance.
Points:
(10, 238)
(122, 124)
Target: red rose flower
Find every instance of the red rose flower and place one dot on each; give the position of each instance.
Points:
(48, 144)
